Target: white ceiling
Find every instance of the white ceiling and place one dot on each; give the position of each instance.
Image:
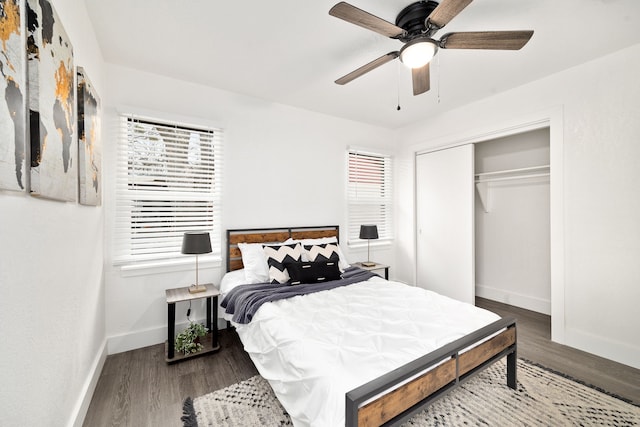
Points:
(291, 51)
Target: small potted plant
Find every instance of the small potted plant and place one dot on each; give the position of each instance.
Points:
(188, 341)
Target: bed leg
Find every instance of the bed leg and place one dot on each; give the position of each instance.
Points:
(511, 370)
(351, 413)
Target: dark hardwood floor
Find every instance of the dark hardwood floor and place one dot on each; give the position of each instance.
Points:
(137, 388)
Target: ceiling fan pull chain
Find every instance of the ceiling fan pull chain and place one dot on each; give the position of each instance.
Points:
(398, 85)
(438, 66)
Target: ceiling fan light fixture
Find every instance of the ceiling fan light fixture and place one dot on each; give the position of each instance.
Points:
(418, 52)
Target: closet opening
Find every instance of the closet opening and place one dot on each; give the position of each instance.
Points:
(512, 220)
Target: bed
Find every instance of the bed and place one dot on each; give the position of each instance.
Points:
(368, 353)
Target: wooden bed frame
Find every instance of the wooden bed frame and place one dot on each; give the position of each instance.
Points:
(396, 396)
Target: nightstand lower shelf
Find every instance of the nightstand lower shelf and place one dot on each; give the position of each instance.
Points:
(207, 344)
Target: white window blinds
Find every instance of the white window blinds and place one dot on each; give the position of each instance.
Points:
(369, 194)
(168, 182)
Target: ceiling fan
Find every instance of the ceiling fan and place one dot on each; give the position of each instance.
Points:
(415, 26)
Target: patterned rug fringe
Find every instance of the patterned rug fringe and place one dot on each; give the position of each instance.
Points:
(569, 377)
(189, 418)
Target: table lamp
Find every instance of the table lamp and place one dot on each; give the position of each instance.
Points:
(196, 243)
(368, 232)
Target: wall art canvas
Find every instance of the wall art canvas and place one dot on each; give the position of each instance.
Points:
(89, 150)
(52, 91)
(13, 110)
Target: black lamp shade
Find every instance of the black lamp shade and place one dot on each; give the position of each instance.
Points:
(196, 243)
(368, 231)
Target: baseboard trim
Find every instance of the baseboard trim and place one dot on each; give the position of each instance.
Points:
(82, 405)
(538, 305)
(138, 339)
(144, 338)
(617, 351)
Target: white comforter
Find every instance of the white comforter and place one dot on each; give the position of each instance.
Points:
(313, 349)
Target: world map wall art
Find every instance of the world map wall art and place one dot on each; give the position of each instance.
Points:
(89, 154)
(13, 119)
(51, 104)
(40, 151)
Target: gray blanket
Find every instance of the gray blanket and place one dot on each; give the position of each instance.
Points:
(244, 301)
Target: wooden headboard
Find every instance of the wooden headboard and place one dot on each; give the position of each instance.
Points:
(272, 235)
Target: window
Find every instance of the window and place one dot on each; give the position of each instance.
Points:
(168, 182)
(369, 194)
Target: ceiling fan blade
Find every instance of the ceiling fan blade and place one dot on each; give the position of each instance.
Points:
(368, 67)
(421, 79)
(446, 11)
(352, 14)
(500, 40)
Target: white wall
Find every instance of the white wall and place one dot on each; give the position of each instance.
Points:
(52, 293)
(598, 107)
(513, 260)
(282, 166)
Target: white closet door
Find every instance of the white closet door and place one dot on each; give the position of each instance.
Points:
(445, 222)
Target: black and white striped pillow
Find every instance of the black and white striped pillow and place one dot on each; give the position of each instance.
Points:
(277, 256)
(322, 252)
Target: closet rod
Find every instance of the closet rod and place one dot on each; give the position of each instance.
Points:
(509, 178)
(529, 169)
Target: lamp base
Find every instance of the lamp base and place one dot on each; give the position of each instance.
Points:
(194, 289)
(368, 264)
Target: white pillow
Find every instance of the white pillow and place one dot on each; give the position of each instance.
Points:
(254, 260)
(232, 279)
(343, 264)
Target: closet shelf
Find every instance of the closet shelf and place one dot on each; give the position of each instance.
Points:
(519, 173)
(483, 179)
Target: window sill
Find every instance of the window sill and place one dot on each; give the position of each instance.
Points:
(169, 265)
(363, 244)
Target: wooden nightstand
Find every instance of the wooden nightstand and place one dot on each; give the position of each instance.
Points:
(210, 342)
(374, 267)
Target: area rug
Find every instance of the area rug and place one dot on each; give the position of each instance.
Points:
(543, 398)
